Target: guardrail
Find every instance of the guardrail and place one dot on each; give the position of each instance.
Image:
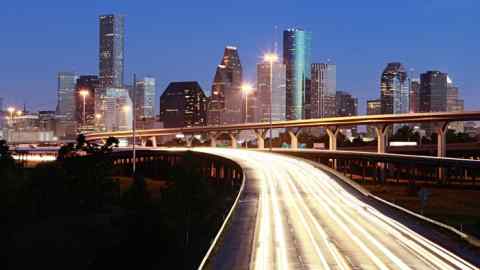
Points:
(364, 166)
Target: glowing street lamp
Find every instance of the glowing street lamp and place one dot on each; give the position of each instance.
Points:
(246, 89)
(84, 93)
(271, 58)
(11, 110)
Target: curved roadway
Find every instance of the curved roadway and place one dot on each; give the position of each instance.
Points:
(296, 216)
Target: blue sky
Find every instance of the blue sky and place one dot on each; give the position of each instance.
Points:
(184, 40)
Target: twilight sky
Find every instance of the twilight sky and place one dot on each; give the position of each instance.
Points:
(184, 40)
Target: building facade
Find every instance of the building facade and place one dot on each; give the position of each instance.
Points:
(85, 105)
(183, 104)
(145, 99)
(226, 99)
(414, 95)
(346, 105)
(323, 90)
(66, 109)
(374, 107)
(115, 111)
(296, 57)
(270, 91)
(394, 90)
(111, 54)
(433, 91)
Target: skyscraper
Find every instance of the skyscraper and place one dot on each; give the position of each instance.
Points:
(226, 100)
(85, 90)
(263, 92)
(346, 105)
(433, 91)
(296, 57)
(415, 95)
(111, 53)
(454, 104)
(66, 94)
(374, 107)
(145, 98)
(323, 90)
(116, 109)
(183, 104)
(394, 89)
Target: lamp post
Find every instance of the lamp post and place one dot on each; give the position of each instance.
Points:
(246, 89)
(84, 93)
(271, 58)
(11, 110)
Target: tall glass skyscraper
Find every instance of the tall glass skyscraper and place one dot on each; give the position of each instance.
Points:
(323, 88)
(296, 57)
(66, 94)
(263, 92)
(145, 98)
(111, 54)
(394, 89)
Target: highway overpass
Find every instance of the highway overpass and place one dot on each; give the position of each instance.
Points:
(381, 123)
(293, 214)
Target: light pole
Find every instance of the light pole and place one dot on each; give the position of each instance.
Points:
(246, 89)
(84, 94)
(271, 58)
(11, 110)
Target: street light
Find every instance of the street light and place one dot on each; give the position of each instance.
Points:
(84, 93)
(246, 89)
(271, 58)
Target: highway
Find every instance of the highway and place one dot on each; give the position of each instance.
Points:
(306, 219)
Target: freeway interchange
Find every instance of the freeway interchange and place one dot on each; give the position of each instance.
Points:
(294, 215)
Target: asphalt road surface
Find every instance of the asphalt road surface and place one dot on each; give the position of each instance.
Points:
(295, 216)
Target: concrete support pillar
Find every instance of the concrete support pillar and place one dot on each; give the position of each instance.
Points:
(213, 139)
(332, 138)
(293, 138)
(143, 141)
(233, 139)
(441, 130)
(188, 140)
(154, 141)
(260, 134)
(382, 138)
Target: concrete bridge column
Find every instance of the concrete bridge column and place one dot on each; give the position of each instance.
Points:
(294, 138)
(189, 140)
(382, 137)
(213, 138)
(154, 141)
(143, 141)
(260, 133)
(233, 139)
(332, 137)
(441, 130)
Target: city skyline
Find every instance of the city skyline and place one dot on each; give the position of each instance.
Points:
(143, 58)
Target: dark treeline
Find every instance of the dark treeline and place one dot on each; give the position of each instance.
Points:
(71, 213)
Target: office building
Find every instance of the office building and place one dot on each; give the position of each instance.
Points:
(323, 90)
(270, 80)
(66, 109)
(296, 57)
(454, 104)
(414, 95)
(225, 105)
(86, 92)
(374, 107)
(145, 99)
(111, 54)
(394, 90)
(183, 104)
(346, 105)
(115, 112)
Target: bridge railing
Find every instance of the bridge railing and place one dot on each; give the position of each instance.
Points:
(381, 168)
